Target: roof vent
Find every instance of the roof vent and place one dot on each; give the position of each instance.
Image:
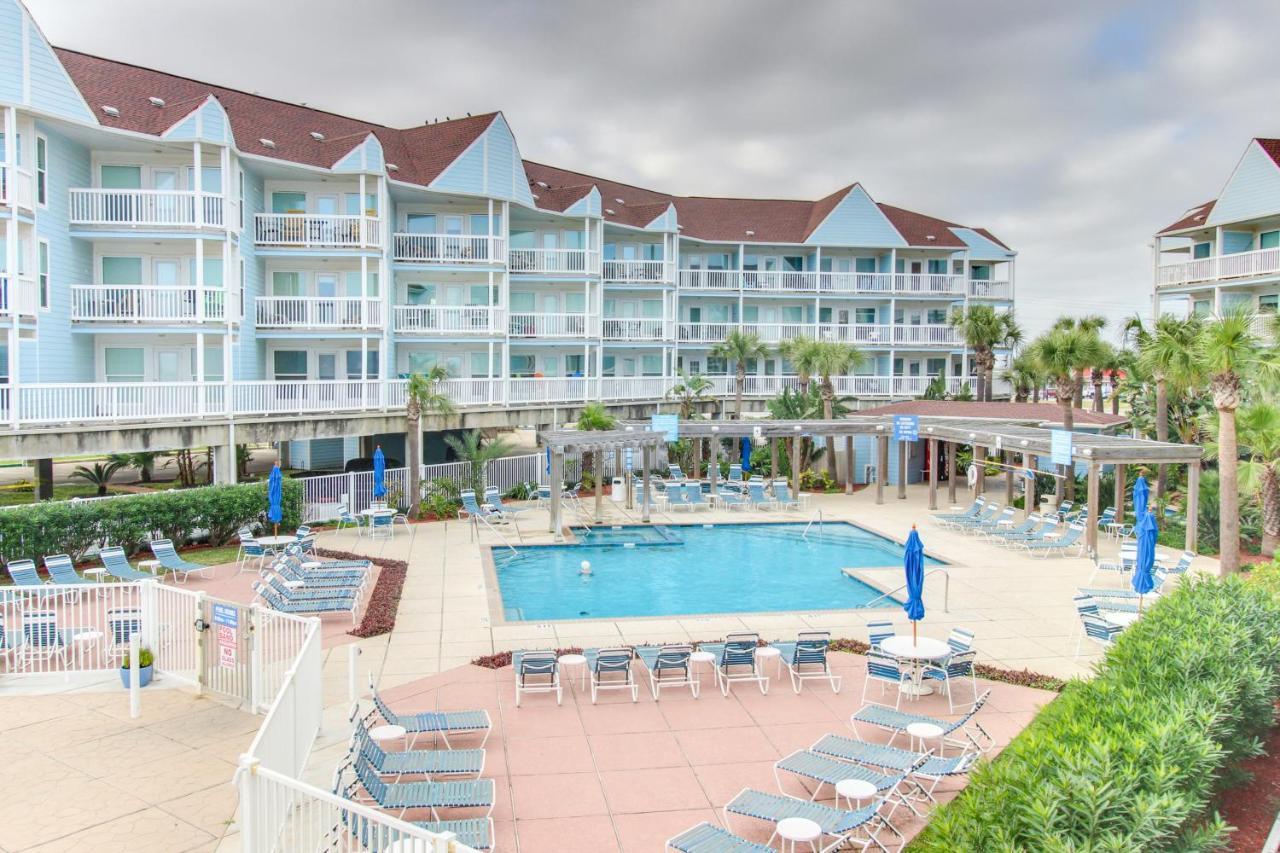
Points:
(750, 233)
(930, 237)
(267, 143)
(619, 201)
(111, 111)
(392, 167)
(535, 196)
(156, 102)
(609, 210)
(542, 184)
(317, 136)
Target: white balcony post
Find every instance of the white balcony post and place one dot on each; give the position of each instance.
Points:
(10, 279)
(197, 184)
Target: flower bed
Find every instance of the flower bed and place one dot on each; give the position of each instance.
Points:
(1133, 758)
(380, 611)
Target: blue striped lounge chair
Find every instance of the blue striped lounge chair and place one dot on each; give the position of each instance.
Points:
(806, 658)
(1064, 510)
(896, 722)
(735, 473)
(675, 472)
(122, 624)
(974, 509)
(989, 512)
(442, 723)
(709, 838)
(331, 569)
(1028, 524)
(295, 592)
(291, 571)
(412, 762)
(847, 829)
(933, 770)
(732, 499)
(536, 672)
(304, 607)
(610, 669)
(494, 498)
(1088, 604)
(782, 497)
(310, 562)
(885, 669)
(668, 666)
(676, 498)
(1098, 629)
(23, 573)
(1061, 544)
(10, 640)
(693, 494)
(43, 639)
(180, 569)
(756, 496)
(1180, 567)
(1046, 527)
(399, 797)
(474, 511)
(476, 833)
(736, 660)
(117, 565)
(878, 632)
(1116, 599)
(1124, 562)
(1002, 521)
(825, 770)
(956, 667)
(61, 570)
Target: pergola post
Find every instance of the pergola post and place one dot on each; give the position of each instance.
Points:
(773, 456)
(1007, 458)
(1121, 487)
(1193, 505)
(882, 466)
(795, 463)
(1091, 517)
(980, 460)
(848, 464)
(1031, 501)
(903, 455)
(557, 486)
(713, 467)
(598, 458)
(933, 473)
(951, 472)
(645, 461)
(697, 456)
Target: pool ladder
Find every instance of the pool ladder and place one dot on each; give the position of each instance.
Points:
(946, 590)
(817, 518)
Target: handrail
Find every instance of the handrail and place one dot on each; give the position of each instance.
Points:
(817, 518)
(946, 590)
(505, 541)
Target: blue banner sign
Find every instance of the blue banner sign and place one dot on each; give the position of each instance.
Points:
(906, 427)
(1060, 446)
(670, 424)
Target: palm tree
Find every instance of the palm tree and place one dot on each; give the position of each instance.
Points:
(144, 461)
(688, 393)
(740, 347)
(1258, 427)
(422, 394)
(99, 475)
(832, 358)
(593, 418)
(984, 330)
(1105, 363)
(1023, 374)
(1227, 351)
(1167, 353)
(472, 447)
(801, 353)
(1062, 353)
(1090, 324)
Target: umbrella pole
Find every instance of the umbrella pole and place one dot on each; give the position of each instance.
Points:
(277, 528)
(914, 638)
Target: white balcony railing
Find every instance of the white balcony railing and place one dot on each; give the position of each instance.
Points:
(448, 248)
(150, 208)
(554, 261)
(780, 281)
(637, 272)
(931, 334)
(21, 295)
(116, 401)
(705, 333)
(548, 390)
(17, 187)
(636, 329)
(866, 334)
(448, 320)
(306, 396)
(981, 289)
(1263, 262)
(526, 325)
(710, 279)
(634, 387)
(317, 312)
(773, 333)
(305, 231)
(137, 303)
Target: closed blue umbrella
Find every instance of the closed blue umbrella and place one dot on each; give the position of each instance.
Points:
(746, 455)
(1141, 495)
(275, 497)
(379, 472)
(1143, 582)
(913, 563)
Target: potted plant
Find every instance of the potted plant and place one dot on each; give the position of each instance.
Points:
(145, 667)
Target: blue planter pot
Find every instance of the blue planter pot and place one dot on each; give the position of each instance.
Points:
(144, 676)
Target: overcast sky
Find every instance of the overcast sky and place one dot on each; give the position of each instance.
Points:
(1072, 130)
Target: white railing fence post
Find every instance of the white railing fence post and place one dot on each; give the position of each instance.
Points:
(135, 676)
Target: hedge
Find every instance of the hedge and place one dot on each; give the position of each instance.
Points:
(1132, 759)
(77, 527)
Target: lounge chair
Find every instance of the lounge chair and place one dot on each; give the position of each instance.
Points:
(295, 591)
(1069, 539)
(934, 768)
(122, 624)
(831, 771)
(1025, 526)
(1180, 567)
(536, 672)
(310, 569)
(610, 669)
(693, 494)
(838, 823)
(782, 497)
(61, 570)
(43, 639)
(474, 511)
(885, 669)
(675, 472)
(1160, 577)
(1048, 528)
(412, 762)
(756, 496)
(736, 653)
(180, 569)
(735, 473)
(1098, 629)
(402, 796)
(494, 498)
(307, 607)
(668, 666)
(1002, 520)
(974, 509)
(676, 498)
(732, 499)
(990, 511)
(1064, 510)
(806, 658)
(443, 723)
(117, 565)
(709, 838)
(310, 562)
(1124, 563)
(291, 571)
(896, 722)
(24, 573)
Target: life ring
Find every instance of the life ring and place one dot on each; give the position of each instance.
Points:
(973, 475)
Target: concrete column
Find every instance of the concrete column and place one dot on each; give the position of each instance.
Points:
(951, 472)
(933, 473)
(1091, 521)
(43, 470)
(848, 464)
(882, 466)
(644, 479)
(713, 465)
(1193, 505)
(980, 460)
(598, 458)
(903, 455)
(1007, 458)
(1119, 495)
(224, 463)
(1032, 501)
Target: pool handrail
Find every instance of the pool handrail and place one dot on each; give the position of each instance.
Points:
(946, 590)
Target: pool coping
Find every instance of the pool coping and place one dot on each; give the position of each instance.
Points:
(497, 612)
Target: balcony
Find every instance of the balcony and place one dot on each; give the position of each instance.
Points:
(447, 249)
(20, 295)
(549, 325)
(548, 389)
(636, 329)
(775, 333)
(146, 208)
(317, 312)
(553, 261)
(638, 272)
(926, 335)
(313, 231)
(1263, 262)
(136, 303)
(705, 333)
(17, 187)
(836, 283)
(448, 320)
(996, 290)
(862, 334)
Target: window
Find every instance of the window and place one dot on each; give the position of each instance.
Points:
(864, 265)
(453, 225)
(124, 364)
(422, 362)
(575, 303)
(371, 364)
(289, 364)
(608, 365)
(42, 271)
(1201, 308)
(287, 202)
(212, 272)
(122, 270)
(478, 295)
(653, 251)
(936, 366)
(42, 171)
(210, 179)
(521, 365)
(793, 314)
(1200, 250)
(937, 266)
(523, 240)
(479, 364)
(936, 316)
(1269, 240)
(212, 364)
(353, 208)
(286, 283)
(243, 205)
(421, 223)
(717, 366)
(980, 272)
(573, 365)
(121, 177)
(522, 302)
(651, 308)
(479, 224)
(651, 365)
(957, 267)
(1268, 304)
(793, 263)
(610, 251)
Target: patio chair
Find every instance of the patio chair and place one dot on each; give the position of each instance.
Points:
(990, 511)
(473, 510)
(318, 564)
(348, 519)
(693, 494)
(23, 573)
(307, 607)
(1048, 529)
(252, 549)
(934, 769)
(10, 641)
(974, 509)
(709, 838)
(181, 569)
(840, 824)
(960, 639)
(1063, 543)
(668, 666)
(1064, 510)
(1099, 630)
(122, 624)
(117, 565)
(896, 723)
(494, 498)
(610, 669)
(1002, 520)
(411, 762)
(885, 669)
(1124, 563)
(291, 572)
(401, 796)
(878, 632)
(349, 570)
(676, 498)
(825, 770)
(953, 668)
(736, 660)
(381, 524)
(443, 723)
(675, 472)
(61, 570)
(305, 539)
(43, 639)
(1114, 596)
(732, 499)
(1180, 567)
(806, 658)
(536, 672)
(782, 497)
(756, 496)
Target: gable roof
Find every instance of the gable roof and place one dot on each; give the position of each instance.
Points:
(1196, 217)
(921, 230)
(1271, 146)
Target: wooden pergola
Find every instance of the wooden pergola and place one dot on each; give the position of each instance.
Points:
(633, 437)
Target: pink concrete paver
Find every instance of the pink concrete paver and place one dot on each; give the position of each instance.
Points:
(624, 776)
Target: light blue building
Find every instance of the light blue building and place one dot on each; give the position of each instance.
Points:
(178, 253)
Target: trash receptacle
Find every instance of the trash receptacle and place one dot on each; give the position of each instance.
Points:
(618, 491)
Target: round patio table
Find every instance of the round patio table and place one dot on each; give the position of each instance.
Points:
(796, 830)
(1119, 617)
(917, 652)
(275, 541)
(578, 662)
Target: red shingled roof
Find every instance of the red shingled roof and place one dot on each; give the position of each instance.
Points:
(916, 228)
(1040, 412)
(1193, 218)
(1271, 146)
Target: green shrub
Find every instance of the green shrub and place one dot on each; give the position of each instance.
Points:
(145, 658)
(1131, 759)
(76, 527)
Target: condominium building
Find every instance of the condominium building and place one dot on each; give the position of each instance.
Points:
(186, 257)
(1224, 254)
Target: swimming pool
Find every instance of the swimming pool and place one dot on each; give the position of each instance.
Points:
(682, 570)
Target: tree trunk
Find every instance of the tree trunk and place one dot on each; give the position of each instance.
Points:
(1077, 395)
(413, 448)
(1035, 394)
(1162, 431)
(1069, 423)
(1097, 392)
(828, 413)
(980, 378)
(1115, 398)
(1269, 485)
(741, 376)
(1228, 493)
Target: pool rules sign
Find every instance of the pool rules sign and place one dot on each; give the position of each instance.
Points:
(226, 623)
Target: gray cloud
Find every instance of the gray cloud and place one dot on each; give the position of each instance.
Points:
(1072, 130)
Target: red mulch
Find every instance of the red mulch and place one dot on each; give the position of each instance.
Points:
(380, 612)
(1252, 807)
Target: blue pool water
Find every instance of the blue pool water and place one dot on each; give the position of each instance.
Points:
(728, 568)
